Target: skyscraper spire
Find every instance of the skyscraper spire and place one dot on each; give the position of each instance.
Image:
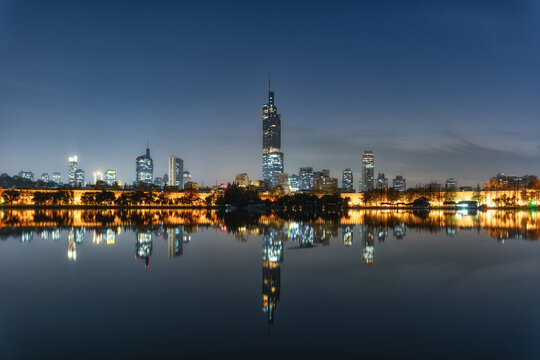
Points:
(269, 81)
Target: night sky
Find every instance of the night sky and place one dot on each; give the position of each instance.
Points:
(436, 89)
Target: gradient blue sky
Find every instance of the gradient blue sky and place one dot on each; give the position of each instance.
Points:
(435, 88)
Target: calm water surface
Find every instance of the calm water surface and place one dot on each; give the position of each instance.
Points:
(436, 285)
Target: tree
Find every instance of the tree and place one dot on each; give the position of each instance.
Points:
(10, 196)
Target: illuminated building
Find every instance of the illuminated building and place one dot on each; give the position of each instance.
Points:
(192, 186)
(176, 172)
(79, 177)
(272, 155)
(368, 170)
(143, 247)
(399, 183)
(282, 180)
(241, 180)
(56, 177)
(175, 241)
(293, 183)
(382, 181)
(323, 182)
(272, 164)
(159, 182)
(305, 178)
(45, 177)
(28, 175)
(451, 184)
(368, 245)
(144, 171)
(347, 232)
(110, 177)
(72, 167)
(187, 177)
(98, 176)
(347, 180)
(271, 271)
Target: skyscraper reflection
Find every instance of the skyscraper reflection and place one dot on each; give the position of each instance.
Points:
(347, 232)
(175, 241)
(368, 245)
(272, 258)
(143, 247)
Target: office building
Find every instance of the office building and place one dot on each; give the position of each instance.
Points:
(272, 155)
(72, 167)
(282, 180)
(176, 172)
(293, 183)
(144, 170)
(382, 181)
(305, 178)
(347, 180)
(241, 180)
(399, 183)
(187, 177)
(110, 177)
(28, 175)
(45, 177)
(368, 170)
(451, 184)
(79, 178)
(56, 177)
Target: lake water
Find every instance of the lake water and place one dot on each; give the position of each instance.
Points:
(196, 284)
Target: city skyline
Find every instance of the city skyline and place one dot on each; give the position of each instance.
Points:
(433, 100)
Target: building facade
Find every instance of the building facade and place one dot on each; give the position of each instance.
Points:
(176, 172)
(399, 183)
(187, 177)
(282, 180)
(241, 180)
(272, 155)
(79, 178)
(368, 170)
(110, 177)
(347, 180)
(382, 181)
(144, 168)
(305, 178)
(72, 167)
(56, 177)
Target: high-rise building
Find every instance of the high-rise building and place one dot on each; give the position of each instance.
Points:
(45, 177)
(79, 177)
(399, 183)
(72, 167)
(451, 184)
(368, 170)
(176, 172)
(293, 183)
(144, 171)
(187, 177)
(56, 178)
(28, 175)
(347, 180)
(272, 155)
(110, 177)
(305, 178)
(241, 180)
(282, 180)
(382, 181)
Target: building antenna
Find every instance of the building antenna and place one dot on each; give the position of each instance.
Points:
(269, 81)
(147, 143)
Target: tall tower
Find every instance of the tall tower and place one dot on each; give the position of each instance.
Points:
(272, 155)
(368, 170)
(144, 169)
(72, 167)
(176, 172)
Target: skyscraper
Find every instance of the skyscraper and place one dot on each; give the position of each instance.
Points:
(368, 170)
(399, 183)
(176, 172)
(305, 178)
(72, 167)
(144, 171)
(110, 177)
(79, 178)
(56, 177)
(272, 155)
(347, 180)
(382, 181)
